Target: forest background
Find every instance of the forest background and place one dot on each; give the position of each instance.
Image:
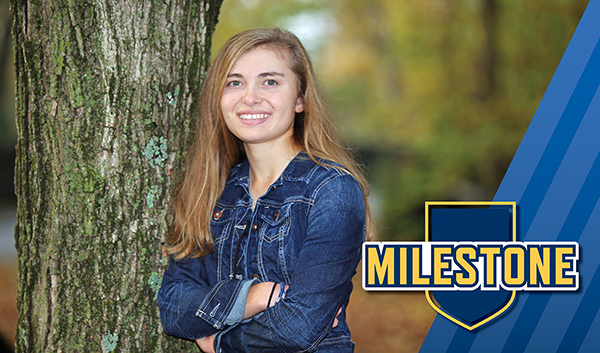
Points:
(434, 96)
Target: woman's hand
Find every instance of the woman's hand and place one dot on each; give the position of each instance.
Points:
(259, 294)
(335, 321)
(206, 344)
(258, 297)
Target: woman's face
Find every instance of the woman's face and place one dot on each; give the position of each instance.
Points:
(260, 98)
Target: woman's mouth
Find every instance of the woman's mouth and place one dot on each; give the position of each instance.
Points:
(253, 116)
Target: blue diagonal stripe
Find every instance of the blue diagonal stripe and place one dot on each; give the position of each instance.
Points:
(438, 340)
(584, 316)
(592, 339)
(462, 341)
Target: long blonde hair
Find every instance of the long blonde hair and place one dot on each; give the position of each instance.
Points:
(215, 150)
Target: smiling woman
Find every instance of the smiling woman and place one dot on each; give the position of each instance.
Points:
(260, 100)
(271, 213)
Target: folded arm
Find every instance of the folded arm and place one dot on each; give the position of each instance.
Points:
(191, 308)
(320, 284)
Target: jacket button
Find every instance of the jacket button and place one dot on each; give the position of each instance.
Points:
(255, 276)
(276, 215)
(217, 214)
(255, 227)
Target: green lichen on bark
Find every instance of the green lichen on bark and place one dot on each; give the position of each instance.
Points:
(156, 151)
(154, 283)
(97, 81)
(109, 342)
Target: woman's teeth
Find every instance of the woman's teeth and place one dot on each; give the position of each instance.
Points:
(253, 116)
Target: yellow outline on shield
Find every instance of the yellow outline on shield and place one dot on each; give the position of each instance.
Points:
(514, 236)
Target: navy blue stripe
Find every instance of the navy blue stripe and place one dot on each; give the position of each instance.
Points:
(532, 309)
(462, 341)
(583, 206)
(438, 339)
(580, 325)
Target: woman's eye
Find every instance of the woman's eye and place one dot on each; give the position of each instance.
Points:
(270, 83)
(234, 84)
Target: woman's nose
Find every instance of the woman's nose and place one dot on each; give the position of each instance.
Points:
(251, 96)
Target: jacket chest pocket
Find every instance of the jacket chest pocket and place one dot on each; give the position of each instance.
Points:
(276, 223)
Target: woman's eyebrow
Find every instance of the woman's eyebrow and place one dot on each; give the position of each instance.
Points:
(263, 74)
(271, 73)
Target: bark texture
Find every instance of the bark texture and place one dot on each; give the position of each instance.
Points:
(104, 99)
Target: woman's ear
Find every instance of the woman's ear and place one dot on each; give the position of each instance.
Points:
(299, 105)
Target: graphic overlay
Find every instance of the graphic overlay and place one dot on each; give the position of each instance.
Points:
(554, 180)
(471, 264)
(499, 264)
(483, 221)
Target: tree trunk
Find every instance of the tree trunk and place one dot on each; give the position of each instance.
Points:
(105, 96)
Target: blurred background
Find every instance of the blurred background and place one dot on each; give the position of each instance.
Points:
(433, 95)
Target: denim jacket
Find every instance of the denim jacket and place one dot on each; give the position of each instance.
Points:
(306, 231)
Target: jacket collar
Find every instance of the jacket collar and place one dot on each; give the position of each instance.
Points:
(301, 168)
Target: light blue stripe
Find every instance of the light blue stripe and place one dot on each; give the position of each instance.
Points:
(438, 339)
(592, 339)
(491, 338)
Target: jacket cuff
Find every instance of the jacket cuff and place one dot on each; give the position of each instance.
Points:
(236, 315)
(221, 300)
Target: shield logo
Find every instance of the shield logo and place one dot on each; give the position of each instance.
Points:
(478, 222)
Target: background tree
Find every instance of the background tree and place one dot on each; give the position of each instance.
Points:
(438, 94)
(104, 98)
